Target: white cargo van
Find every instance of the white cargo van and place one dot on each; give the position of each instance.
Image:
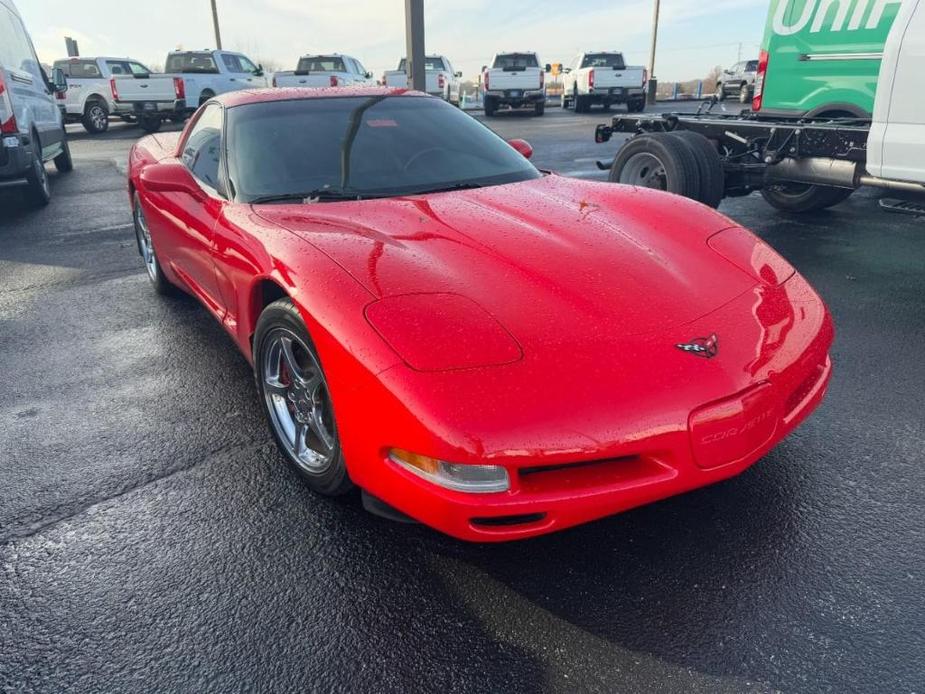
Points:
(31, 124)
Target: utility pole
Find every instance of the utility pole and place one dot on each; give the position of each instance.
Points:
(414, 44)
(653, 82)
(218, 33)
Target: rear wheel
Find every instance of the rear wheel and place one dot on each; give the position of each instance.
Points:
(490, 106)
(582, 104)
(709, 164)
(150, 124)
(297, 399)
(205, 96)
(63, 162)
(146, 248)
(636, 106)
(745, 94)
(660, 161)
(38, 191)
(799, 198)
(539, 109)
(95, 118)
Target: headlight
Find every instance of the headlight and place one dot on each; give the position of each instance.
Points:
(475, 479)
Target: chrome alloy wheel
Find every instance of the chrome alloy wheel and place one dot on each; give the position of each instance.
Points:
(298, 402)
(98, 117)
(645, 170)
(145, 244)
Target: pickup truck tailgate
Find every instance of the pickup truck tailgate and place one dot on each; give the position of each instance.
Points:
(606, 78)
(312, 79)
(156, 88)
(526, 79)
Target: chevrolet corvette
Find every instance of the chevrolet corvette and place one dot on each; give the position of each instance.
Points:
(490, 349)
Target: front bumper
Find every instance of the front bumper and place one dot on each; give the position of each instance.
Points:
(677, 436)
(15, 159)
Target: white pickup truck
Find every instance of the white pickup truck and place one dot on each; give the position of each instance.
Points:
(89, 99)
(440, 78)
(799, 164)
(149, 99)
(602, 77)
(515, 80)
(208, 73)
(333, 70)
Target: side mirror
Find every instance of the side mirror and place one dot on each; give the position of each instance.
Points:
(548, 67)
(484, 67)
(522, 146)
(368, 75)
(457, 74)
(259, 71)
(58, 81)
(171, 178)
(567, 70)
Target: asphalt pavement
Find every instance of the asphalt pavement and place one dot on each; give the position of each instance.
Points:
(151, 537)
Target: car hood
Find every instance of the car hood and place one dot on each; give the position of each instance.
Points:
(553, 259)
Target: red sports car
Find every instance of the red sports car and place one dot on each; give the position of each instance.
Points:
(493, 350)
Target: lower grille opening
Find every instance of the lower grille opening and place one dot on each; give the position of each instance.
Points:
(594, 476)
(502, 521)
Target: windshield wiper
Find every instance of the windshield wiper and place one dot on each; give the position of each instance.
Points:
(319, 195)
(448, 189)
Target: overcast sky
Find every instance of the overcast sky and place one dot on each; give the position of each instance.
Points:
(694, 35)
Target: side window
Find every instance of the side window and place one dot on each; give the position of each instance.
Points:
(138, 69)
(246, 64)
(361, 71)
(232, 64)
(203, 148)
(15, 49)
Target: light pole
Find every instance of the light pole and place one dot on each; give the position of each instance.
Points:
(414, 44)
(653, 83)
(218, 33)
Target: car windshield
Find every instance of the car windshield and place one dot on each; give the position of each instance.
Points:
(751, 66)
(191, 62)
(380, 146)
(513, 61)
(614, 60)
(429, 64)
(320, 63)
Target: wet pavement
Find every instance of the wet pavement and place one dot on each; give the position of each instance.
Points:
(151, 538)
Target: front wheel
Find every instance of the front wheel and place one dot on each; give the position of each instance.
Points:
(799, 198)
(297, 400)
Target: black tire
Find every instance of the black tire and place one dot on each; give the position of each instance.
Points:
(710, 164)
(582, 104)
(490, 107)
(128, 119)
(95, 118)
(539, 109)
(565, 101)
(745, 94)
(205, 96)
(63, 162)
(636, 106)
(800, 198)
(281, 318)
(38, 191)
(159, 281)
(150, 124)
(660, 161)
